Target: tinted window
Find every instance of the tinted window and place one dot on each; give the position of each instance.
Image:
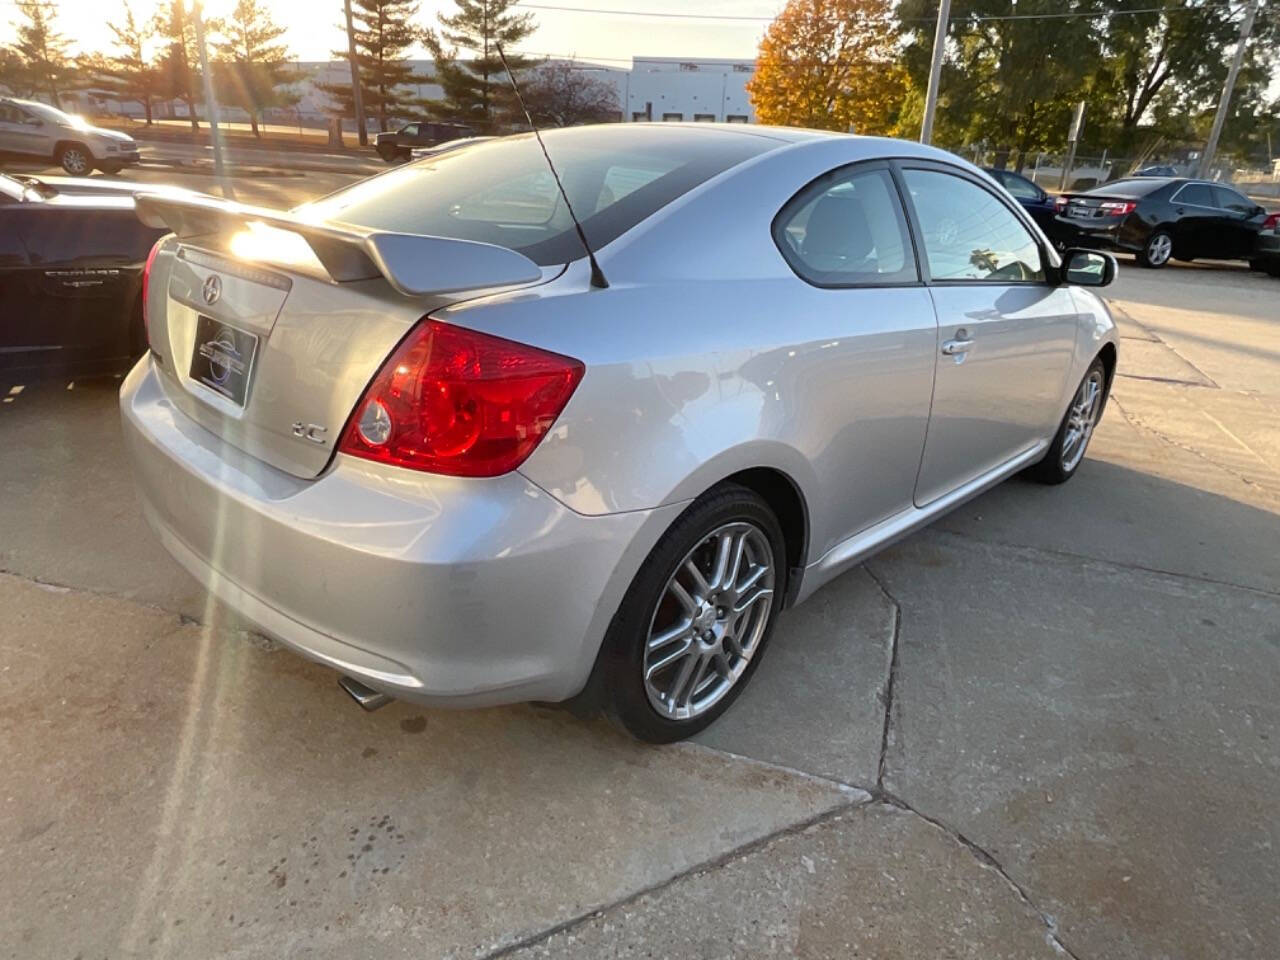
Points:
(1196, 193)
(500, 191)
(1228, 199)
(409, 130)
(1020, 187)
(968, 234)
(847, 229)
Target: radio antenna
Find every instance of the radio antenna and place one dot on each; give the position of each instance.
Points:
(597, 275)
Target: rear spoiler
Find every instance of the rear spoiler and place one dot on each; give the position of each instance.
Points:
(414, 265)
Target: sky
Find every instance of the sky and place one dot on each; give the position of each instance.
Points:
(313, 26)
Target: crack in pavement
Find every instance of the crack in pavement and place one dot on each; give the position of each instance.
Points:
(891, 674)
(988, 860)
(1136, 422)
(937, 531)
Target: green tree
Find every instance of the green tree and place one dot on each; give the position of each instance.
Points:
(41, 52)
(252, 65)
(1009, 82)
(178, 77)
(127, 74)
(476, 90)
(384, 32)
(830, 64)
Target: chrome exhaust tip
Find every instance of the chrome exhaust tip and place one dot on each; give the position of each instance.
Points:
(368, 699)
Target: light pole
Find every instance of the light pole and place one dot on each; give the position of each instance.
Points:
(935, 71)
(215, 135)
(1211, 145)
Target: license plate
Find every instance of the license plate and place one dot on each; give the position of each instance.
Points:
(223, 359)
(1079, 211)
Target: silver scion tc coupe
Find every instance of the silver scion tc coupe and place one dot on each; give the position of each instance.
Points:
(411, 433)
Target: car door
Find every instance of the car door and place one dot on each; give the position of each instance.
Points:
(1197, 223)
(1239, 222)
(11, 131)
(868, 370)
(1006, 334)
(17, 333)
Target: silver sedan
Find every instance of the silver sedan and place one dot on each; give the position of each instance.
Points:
(415, 433)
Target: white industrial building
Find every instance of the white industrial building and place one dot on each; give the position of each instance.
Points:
(653, 88)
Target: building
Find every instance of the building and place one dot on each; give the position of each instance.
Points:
(653, 88)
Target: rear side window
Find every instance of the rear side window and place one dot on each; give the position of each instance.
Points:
(847, 229)
(502, 192)
(968, 234)
(1020, 187)
(1197, 194)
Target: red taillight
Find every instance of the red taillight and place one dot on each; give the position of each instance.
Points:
(1117, 208)
(1060, 203)
(146, 287)
(453, 401)
(1272, 222)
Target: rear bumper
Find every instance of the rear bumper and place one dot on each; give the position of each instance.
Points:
(1119, 233)
(436, 589)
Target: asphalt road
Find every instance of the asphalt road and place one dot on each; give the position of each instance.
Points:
(1048, 725)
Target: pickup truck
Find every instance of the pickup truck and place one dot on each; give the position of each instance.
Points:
(397, 145)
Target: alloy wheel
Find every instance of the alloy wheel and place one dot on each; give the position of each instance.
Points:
(74, 160)
(709, 621)
(1081, 419)
(1159, 249)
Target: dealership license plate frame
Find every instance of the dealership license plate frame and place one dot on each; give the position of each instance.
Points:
(223, 358)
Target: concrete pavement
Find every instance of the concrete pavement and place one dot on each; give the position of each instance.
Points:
(1048, 725)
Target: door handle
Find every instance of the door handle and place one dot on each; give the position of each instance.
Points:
(959, 345)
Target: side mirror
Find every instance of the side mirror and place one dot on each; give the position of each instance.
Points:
(1088, 268)
(33, 122)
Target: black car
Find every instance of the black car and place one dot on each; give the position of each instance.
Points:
(398, 144)
(71, 259)
(1034, 200)
(1162, 217)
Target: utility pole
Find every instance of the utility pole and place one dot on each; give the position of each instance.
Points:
(211, 103)
(935, 70)
(356, 95)
(1211, 146)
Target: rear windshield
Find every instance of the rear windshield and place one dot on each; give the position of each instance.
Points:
(502, 192)
(1130, 187)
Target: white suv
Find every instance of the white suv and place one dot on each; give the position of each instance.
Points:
(37, 129)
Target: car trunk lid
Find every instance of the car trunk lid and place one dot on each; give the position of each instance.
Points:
(267, 328)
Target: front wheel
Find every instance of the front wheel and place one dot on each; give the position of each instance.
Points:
(691, 629)
(1155, 253)
(1066, 452)
(75, 160)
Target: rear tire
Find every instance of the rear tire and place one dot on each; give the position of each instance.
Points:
(655, 692)
(1066, 452)
(75, 159)
(1155, 253)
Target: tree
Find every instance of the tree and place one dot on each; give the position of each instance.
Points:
(1009, 82)
(252, 66)
(176, 70)
(384, 32)
(563, 94)
(830, 64)
(128, 74)
(41, 51)
(475, 89)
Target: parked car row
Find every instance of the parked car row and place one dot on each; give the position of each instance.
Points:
(1156, 218)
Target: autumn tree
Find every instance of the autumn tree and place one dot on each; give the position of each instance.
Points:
(562, 93)
(41, 54)
(830, 64)
(128, 73)
(475, 89)
(178, 78)
(384, 32)
(251, 64)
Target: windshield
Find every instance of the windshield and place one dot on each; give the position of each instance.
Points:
(52, 114)
(502, 192)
